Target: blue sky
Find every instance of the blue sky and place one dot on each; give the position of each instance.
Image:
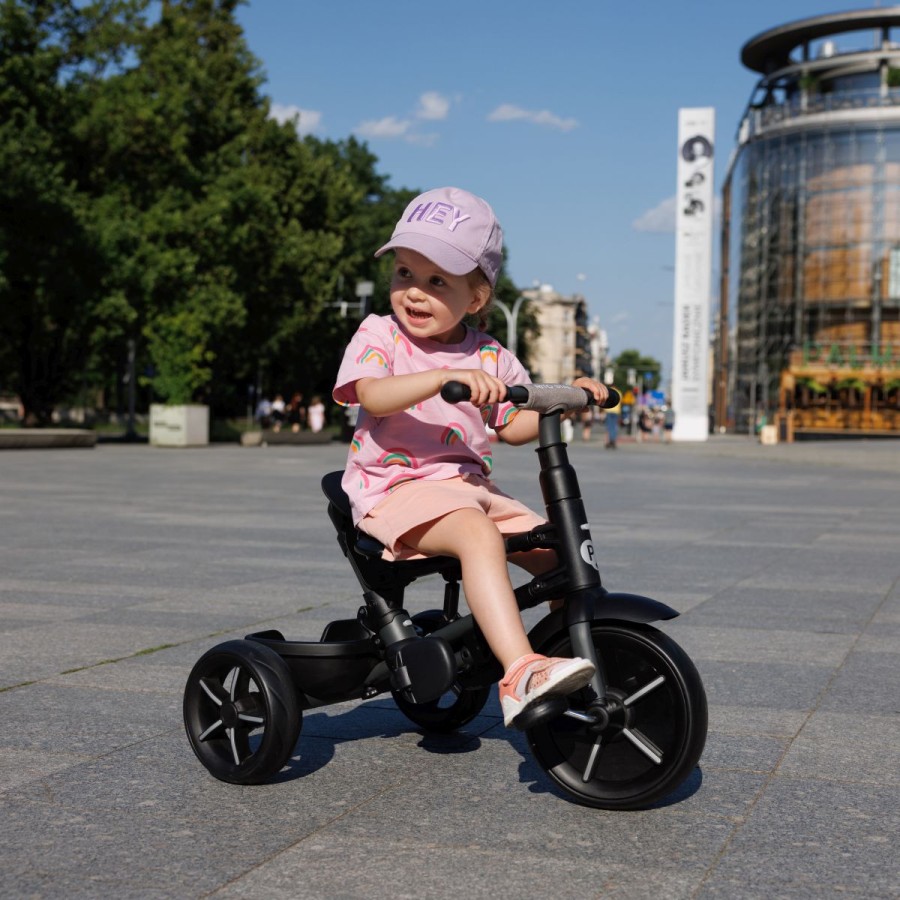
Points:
(562, 115)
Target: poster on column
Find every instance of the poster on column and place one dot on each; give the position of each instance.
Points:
(693, 274)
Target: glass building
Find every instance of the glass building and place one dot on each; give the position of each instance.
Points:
(808, 332)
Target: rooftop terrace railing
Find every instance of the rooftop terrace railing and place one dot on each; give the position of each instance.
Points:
(870, 104)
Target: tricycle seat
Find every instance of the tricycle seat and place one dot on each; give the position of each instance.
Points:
(367, 551)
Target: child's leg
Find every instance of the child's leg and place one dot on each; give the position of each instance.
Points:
(470, 536)
(537, 562)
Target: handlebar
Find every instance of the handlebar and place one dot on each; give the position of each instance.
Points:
(543, 398)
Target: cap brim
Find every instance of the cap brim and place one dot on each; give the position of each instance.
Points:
(446, 257)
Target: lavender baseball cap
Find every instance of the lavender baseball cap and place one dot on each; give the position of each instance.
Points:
(454, 229)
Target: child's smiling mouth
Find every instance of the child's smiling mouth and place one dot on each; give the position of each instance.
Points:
(418, 314)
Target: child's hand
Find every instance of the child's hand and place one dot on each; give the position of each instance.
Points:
(599, 390)
(484, 388)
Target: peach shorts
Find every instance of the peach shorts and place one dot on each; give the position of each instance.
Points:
(417, 502)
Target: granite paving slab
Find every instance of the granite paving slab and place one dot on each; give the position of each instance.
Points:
(781, 559)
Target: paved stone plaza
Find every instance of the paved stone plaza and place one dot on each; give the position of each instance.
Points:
(121, 565)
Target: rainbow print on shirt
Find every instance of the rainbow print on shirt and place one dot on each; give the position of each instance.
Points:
(401, 341)
(454, 433)
(372, 356)
(489, 353)
(396, 457)
(487, 463)
(509, 415)
(398, 480)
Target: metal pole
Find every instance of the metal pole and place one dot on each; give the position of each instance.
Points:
(511, 319)
(130, 432)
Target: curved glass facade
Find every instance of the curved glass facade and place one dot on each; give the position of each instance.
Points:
(811, 253)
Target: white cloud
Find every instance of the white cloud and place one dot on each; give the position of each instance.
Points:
(422, 140)
(388, 127)
(660, 219)
(508, 112)
(308, 120)
(433, 105)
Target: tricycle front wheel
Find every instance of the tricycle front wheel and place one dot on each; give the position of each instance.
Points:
(656, 730)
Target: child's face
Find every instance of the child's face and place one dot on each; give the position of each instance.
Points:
(429, 302)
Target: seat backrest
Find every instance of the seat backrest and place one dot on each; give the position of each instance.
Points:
(364, 552)
(331, 486)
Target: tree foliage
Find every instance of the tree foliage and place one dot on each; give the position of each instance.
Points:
(149, 199)
(647, 370)
(50, 265)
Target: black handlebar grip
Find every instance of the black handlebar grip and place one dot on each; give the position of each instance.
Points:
(455, 392)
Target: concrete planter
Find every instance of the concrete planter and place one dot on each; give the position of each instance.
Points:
(179, 426)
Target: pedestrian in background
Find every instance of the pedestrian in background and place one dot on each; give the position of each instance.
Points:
(612, 425)
(316, 414)
(277, 412)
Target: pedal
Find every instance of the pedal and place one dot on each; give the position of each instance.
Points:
(542, 712)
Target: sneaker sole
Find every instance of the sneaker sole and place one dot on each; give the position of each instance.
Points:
(573, 681)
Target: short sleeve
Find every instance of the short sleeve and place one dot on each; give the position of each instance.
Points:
(368, 355)
(509, 371)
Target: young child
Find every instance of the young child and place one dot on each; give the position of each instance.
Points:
(417, 471)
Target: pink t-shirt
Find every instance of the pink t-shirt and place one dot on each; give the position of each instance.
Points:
(434, 439)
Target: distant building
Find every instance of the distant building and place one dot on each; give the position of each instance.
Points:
(599, 349)
(562, 351)
(809, 320)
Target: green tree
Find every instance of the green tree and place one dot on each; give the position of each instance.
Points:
(227, 237)
(648, 371)
(176, 178)
(337, 211)
(148, 198)
(50, 264)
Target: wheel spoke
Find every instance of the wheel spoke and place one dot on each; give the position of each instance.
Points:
(644, 744)
(629, 701)
(211, 692)
(235, 677)
(234, 749)
(215, 725)
(258, 720)
(588, 773)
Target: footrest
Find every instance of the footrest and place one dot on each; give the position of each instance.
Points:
(545, 710)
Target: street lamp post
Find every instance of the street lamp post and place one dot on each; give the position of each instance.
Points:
(512, 316)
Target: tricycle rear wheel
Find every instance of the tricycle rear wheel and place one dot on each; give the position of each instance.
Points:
(459, 704)
(241, 713)
(454, 709)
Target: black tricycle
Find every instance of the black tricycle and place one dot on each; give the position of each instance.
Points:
(626, 741)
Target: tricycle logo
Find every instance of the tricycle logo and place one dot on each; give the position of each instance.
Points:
(588, 555)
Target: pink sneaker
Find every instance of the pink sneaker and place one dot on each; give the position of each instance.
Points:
(533, 677)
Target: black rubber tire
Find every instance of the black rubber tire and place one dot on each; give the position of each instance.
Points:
(449, 712)
(670, 719)
(241, 713)
(456, 707)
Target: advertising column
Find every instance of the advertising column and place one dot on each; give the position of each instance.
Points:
(693, 274)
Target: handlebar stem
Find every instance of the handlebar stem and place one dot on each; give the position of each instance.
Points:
(562, 499)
